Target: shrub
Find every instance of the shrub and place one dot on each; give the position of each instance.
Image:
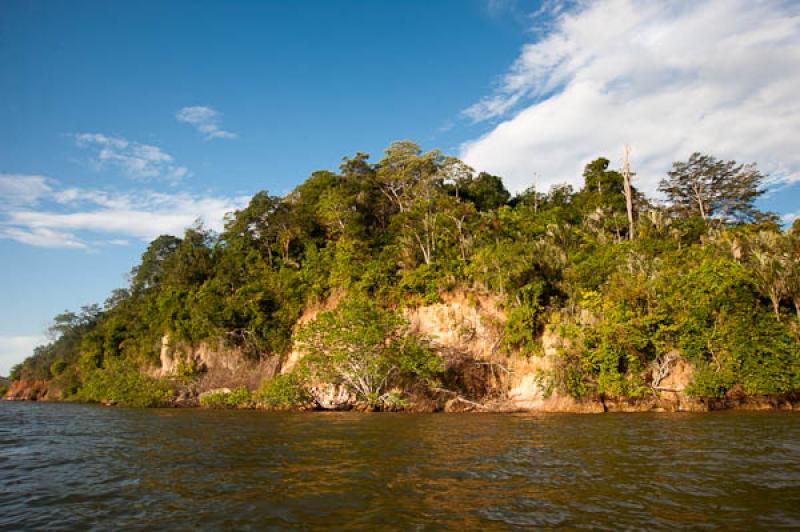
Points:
(366, 349)
(282, 392)
(122, 383)
(238, 398)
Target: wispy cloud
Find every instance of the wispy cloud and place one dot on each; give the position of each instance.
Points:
(18, 189)
(42, 237)
(88, 218)
(206, 121)
(669, 78)
(136, 160)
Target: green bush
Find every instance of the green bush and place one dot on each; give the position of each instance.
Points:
(238, 398)
(122, 383)
(282, 392)
(367, 349)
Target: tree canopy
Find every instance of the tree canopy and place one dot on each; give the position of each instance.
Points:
(708, 275)
(713, 188)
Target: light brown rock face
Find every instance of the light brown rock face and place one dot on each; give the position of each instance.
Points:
(471, 327)
(672, 388)
(461, 323)
(467, 331)
(219, 366)
(528, 387)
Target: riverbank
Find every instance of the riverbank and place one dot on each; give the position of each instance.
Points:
(445, 402)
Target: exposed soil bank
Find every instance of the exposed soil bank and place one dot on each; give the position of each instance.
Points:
(466, 330)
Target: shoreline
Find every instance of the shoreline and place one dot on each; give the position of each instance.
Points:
(786, 403)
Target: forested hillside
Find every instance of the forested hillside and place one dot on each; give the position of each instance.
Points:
(705, 276)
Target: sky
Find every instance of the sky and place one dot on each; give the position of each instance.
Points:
(123, 121)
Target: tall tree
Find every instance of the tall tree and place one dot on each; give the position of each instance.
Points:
(150, 271)
(714, 188)
(791, 260)
(603, 197)
(768, 267)
(485, 191)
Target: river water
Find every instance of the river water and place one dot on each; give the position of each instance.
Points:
(70, 466)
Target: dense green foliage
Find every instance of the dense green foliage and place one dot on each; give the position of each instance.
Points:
(284, 391)
(118, 382)
(238, 398)
(708, 276)
(366, 349)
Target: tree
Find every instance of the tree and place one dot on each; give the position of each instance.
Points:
(602, 187)
(366, 349)
(486, 191)
(791, 265)
(713, 189)
(768, 269)
(253, 223)
(602, 197)
(149, 272)
(191, 263)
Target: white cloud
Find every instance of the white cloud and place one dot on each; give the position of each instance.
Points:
(205, 120)
(17, 189)
(669, 78)
(42, 237)
(144, 215)
(86, 218)
(14, 349)
(138, 161)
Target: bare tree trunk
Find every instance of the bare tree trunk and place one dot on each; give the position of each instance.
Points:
(626, 181)
(776, 305)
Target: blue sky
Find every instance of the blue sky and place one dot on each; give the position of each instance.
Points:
(121, 121)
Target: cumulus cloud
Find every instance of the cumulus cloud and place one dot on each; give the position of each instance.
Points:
(87, 218)
(205, 120)
(137, 161)
(668, 78)
(14, 349)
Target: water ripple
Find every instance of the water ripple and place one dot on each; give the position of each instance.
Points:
(68, 466)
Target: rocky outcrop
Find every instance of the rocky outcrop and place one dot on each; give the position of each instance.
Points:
(467, 331)
(527, 382)
(31, 390)
(331, 397)
(213, 366)
(461, 323)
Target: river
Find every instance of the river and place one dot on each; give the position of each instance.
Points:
(72, 466)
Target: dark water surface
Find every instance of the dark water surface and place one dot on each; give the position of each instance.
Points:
(65, 466)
